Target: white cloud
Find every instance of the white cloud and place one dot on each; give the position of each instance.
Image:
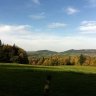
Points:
(88, 27)
(38, 16)
(56, 25)
(71, 10)
(14, 28)
(36, 2)
(14, 31)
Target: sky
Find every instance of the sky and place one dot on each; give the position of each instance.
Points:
(56, 25)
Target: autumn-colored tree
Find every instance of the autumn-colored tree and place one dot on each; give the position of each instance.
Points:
(13, 53)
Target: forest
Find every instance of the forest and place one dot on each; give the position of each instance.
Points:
(12, 54)
(57, 60)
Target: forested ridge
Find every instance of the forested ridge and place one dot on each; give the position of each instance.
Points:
(12, 54)
(71, 57)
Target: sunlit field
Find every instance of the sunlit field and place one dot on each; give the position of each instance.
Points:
(28, 80)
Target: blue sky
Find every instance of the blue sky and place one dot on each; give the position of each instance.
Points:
(57, 25)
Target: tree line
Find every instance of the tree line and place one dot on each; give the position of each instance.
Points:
(57, 60)
(12, 54)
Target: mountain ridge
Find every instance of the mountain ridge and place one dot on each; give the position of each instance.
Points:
(67, 52)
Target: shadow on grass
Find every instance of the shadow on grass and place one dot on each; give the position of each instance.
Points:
(31, 83)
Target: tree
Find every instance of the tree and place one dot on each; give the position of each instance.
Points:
(13, 53)
(22, 56)
(82, 59)
(68, 61)
(41, 61)
(0, 42)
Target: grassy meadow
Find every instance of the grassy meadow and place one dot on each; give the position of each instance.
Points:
(28, 80)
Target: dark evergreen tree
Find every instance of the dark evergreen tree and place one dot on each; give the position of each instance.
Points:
(0, 42)
(82, 59)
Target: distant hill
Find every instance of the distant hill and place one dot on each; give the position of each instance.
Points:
(91, 52)
(41, 53)
(46, 53)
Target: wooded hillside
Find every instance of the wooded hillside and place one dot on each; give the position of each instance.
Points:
(70, 57)
(12, 54)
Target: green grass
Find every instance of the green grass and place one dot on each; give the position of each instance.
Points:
(27, 80)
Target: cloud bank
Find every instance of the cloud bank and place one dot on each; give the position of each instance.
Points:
(88, 27)
(24, 36)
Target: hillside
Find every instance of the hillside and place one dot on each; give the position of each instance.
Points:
(41, 53)
(12, 54)
(44, 53)
(91, 52)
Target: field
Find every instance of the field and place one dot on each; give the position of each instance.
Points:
(27, 80)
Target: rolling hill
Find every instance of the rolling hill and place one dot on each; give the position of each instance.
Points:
(46, 53)
(41, 53)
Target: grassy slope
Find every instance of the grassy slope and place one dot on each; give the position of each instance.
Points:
(26, 80)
